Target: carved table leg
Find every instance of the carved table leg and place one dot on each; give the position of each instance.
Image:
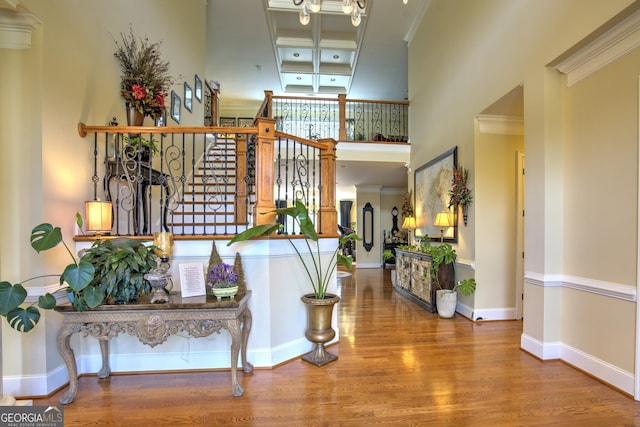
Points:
(65, 350)
(246, 328)
(233, 326)
(104, 350)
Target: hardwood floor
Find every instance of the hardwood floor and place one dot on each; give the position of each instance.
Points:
(399, 365)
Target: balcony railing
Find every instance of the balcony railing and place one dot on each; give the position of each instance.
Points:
(209, 181)
(339, 119)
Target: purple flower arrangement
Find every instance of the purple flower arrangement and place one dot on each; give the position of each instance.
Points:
(222, 276)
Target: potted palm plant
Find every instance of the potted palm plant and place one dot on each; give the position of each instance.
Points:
(319, 304)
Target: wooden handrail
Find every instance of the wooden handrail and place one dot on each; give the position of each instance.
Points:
(83, 129)
(265, 137)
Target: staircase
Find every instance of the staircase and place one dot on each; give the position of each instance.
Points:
(208, 204)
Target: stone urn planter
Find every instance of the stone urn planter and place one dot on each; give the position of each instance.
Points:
(319, 330)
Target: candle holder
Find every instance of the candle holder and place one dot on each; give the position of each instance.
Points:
(159, 277)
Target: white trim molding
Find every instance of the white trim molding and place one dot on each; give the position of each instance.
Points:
(605, 371)
(608, 289)
(500, 125)
(16, 29)
(610, 46)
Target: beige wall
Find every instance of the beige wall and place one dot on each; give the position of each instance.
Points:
(495, 204)
(68, 76)
(600, 125)
(578, 142)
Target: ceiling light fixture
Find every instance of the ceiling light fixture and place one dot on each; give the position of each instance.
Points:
(355, 8)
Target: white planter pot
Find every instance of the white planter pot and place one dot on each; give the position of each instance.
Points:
(446, 303)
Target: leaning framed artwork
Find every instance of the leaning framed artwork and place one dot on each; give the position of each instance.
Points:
(431, 189)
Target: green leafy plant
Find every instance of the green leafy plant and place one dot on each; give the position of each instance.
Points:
(107, 270)
(441, 254)
(120, 266)
(141, 144)
(387, 254)
(466, 287)
(318, 274)
(77, 276)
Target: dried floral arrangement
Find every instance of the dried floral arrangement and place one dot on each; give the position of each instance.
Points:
(460, 194)
(145, 76)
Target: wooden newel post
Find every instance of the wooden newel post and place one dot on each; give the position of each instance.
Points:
(328, 215)
(264, 172)
(342, 116)
(241, 184)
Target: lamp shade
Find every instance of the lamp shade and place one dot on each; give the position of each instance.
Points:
(443, 219)
(409, 222)
(98, 216)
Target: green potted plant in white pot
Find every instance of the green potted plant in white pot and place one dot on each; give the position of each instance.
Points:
(447, 299)
(319, 304)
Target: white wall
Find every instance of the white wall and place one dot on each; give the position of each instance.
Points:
(68, 76)
(465, 56)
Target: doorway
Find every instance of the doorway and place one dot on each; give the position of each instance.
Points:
(499, 208)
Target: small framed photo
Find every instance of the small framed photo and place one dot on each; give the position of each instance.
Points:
(245, 122)
(198, 88)
(188, 96)
(227, 122)
(162, 120)
(176, 105)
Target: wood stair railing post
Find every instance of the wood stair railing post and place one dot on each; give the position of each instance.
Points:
(342, 117)
(328, 212)
(265, 149)
(241, 184)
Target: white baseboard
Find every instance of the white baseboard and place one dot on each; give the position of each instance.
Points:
(607, 372)
(367, 265)
(45, 384)
(494, 314)
(600, 369)
(464, 310)
(544, 351)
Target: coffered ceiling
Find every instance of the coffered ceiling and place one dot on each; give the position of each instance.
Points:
(319, 57)
(258, 45)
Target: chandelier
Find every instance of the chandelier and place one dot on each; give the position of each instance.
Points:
(355, 8)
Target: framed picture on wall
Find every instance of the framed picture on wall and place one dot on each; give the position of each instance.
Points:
(245, 122)
(198, 88)
(431, 188)
(188, 96)
(227, 122)
(176, 105)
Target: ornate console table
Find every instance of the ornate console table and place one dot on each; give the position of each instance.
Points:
(153, 324)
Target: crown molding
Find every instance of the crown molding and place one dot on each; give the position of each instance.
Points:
(501, 125)
(10, 3)
(16, 28)
(602, 51)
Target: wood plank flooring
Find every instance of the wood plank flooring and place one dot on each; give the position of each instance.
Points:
(399, 366)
